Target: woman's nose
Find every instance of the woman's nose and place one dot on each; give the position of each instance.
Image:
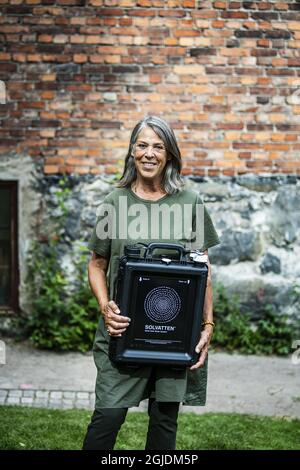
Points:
(150, 152)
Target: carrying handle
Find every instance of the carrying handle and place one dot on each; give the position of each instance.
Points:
(169, 246)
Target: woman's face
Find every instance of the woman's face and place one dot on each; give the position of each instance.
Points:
(150, 155)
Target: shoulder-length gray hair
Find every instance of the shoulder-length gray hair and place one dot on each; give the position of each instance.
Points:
(171, 181)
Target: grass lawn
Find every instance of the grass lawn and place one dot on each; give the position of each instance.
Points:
(33, 428)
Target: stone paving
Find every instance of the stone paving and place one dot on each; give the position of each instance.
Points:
(259, 385)
(47, 398)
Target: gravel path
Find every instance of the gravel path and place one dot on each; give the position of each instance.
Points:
(258, 385)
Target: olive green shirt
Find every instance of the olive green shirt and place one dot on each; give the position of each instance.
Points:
(125, 219)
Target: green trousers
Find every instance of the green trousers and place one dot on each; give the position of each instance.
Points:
(106, 422)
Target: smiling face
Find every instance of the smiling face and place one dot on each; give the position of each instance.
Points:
(150, 155)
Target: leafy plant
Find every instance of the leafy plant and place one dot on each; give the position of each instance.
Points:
(236, 331)
(60, 319)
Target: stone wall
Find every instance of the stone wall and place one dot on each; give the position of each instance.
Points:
(259, 221)
(257, 218)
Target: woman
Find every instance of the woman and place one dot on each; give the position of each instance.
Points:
(151, 177)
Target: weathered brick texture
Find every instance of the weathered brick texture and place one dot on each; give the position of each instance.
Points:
(225, 74)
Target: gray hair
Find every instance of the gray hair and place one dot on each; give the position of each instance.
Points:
(171, 181)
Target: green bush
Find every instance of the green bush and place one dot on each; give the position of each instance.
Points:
(60, 320)
(236, 331)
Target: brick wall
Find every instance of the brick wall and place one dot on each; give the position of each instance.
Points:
(79, 74)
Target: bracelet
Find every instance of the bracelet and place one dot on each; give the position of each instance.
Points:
(208, 323)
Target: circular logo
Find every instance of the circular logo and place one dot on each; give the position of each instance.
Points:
(162, 304)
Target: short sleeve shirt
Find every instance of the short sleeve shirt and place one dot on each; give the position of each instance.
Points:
(125, 219)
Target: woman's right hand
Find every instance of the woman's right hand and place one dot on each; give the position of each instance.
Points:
(115, 323)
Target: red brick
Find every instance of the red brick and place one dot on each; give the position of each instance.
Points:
(110, 12)
(245, 155)
(189, 3)
(228, 172)
(220, 4)
(185, 33)
(144, 13)
(235, 5)
(234, 14)
(172, 13)
(263, 42)
(50, 169)
(294, 62)
(213, 172)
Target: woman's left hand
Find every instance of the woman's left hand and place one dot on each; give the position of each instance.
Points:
(202, 346)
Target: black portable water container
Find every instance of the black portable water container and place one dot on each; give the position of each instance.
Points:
(164, 298)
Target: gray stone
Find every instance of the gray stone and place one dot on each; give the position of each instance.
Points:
(72, 224)
(67, 402)
(15, 393)
(27, 400)
(82, 404)
(213, 191)
(89, 217)
(256, 291)
(67, 68)
(262, 183)
(42, 394)
(285, 216)
(39, 405)
(270, 263)
(55, 395)
(40, 402)
(236, 246)
(83, 395)
(13, 401)
(28, 393)
(69, 395)
(55, 405)
(254, 203)
(66, 406)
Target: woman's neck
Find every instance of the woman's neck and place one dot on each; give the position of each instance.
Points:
(148, 187)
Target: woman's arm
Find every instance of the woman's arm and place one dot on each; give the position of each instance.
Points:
(207, 332)
(97, 278)
(114, 322)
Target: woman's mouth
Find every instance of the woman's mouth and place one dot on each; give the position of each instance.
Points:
(148, 165)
